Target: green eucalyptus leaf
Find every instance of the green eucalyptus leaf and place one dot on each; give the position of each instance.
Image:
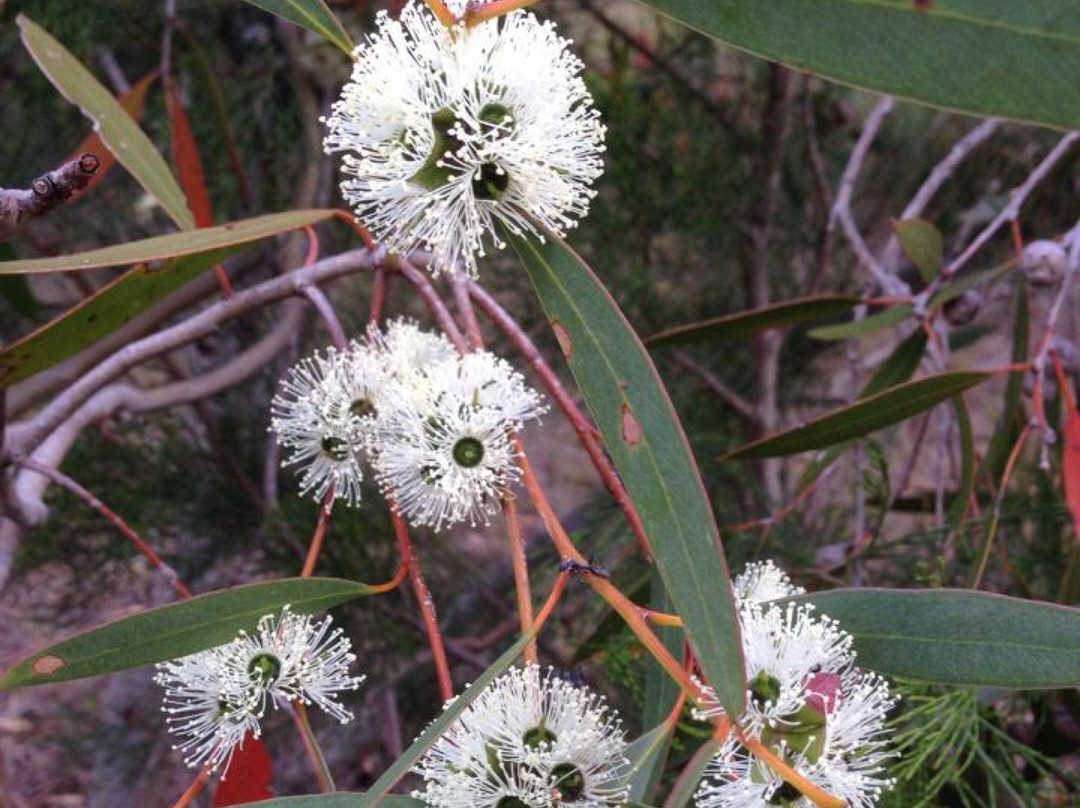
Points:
(642, 433)
(176, 630)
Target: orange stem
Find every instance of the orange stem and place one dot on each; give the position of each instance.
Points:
(474, 15)
(319, 535)
(991, 528)
(816, 794)
(662, 618)
(354, 223)
(442, 13)
(427, 606)
(630, 612)
(521, 573)
(549, 604)
(193, 790)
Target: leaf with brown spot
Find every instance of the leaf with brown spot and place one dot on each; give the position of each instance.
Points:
(48, 664)
(642, 433)
(566, 342)
(631, 429)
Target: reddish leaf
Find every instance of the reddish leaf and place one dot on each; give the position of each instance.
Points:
(249, 776)
(185, 157)
(132, 101)
(1070, 464)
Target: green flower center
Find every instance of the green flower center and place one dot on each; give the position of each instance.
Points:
(538, 736)
(468, 453)
(264, 668)
(569, 780)
(511, 802)
(335, 448)
(764, 689)
(785, 796)
(362, 407)
(491, 182)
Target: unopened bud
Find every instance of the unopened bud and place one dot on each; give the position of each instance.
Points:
(1043, 262)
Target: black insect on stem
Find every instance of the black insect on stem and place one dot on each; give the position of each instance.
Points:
(576, 569)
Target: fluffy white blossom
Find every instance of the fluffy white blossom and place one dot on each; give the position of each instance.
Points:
(763, 581)
(216, 698)
(531, 740)
(318, 419)
(810, 705)
(447, 462)
(447, 132)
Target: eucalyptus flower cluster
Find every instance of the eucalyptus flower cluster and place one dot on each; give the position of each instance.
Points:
(215, 699)
(807, 702)
(449, 134)
(530, 740)
(437, 428)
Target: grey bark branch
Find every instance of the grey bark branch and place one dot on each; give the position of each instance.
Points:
(48, 192)
(841, 211)
(937, 178)
(24, 437)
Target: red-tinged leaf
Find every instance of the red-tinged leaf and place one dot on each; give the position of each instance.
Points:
(133, 102)
(249, 776)
(1070, 465)
(185, 157)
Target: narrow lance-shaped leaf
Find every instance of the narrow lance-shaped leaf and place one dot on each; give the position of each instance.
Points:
(922, 243)
(172, 245)
(133, 102)
(185, 156)
(650, 451)
(890, 317)
(117, 129)
(311, 14)
(898, 368)
(958, 636)
(865, 416)
(176, 630)
(959, 506)
(437, 727)
(748, 323)
(1005, 432)
(985, 57)
(107, 309)
(646, 756)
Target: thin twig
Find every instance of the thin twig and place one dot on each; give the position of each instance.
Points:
(326, 312)
(1017, 197)
(46, 193)
(841, 210)
(715, 384)
(317, 538)
(521, 572)
(586, 432)
(118, 522)
(193, 790)
(311, 746)
(24, 436)
(434, 303)
(940, 174)
(427, 606)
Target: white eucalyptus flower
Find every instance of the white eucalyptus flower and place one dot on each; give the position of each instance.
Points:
(215, 698)
(316, 422)
(486, 380)
(448, 132)
(810, 705)
(531, 740)
(445, 462)
(207, 709)
(763, 581)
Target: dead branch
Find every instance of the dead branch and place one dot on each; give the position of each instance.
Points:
(47, 192)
